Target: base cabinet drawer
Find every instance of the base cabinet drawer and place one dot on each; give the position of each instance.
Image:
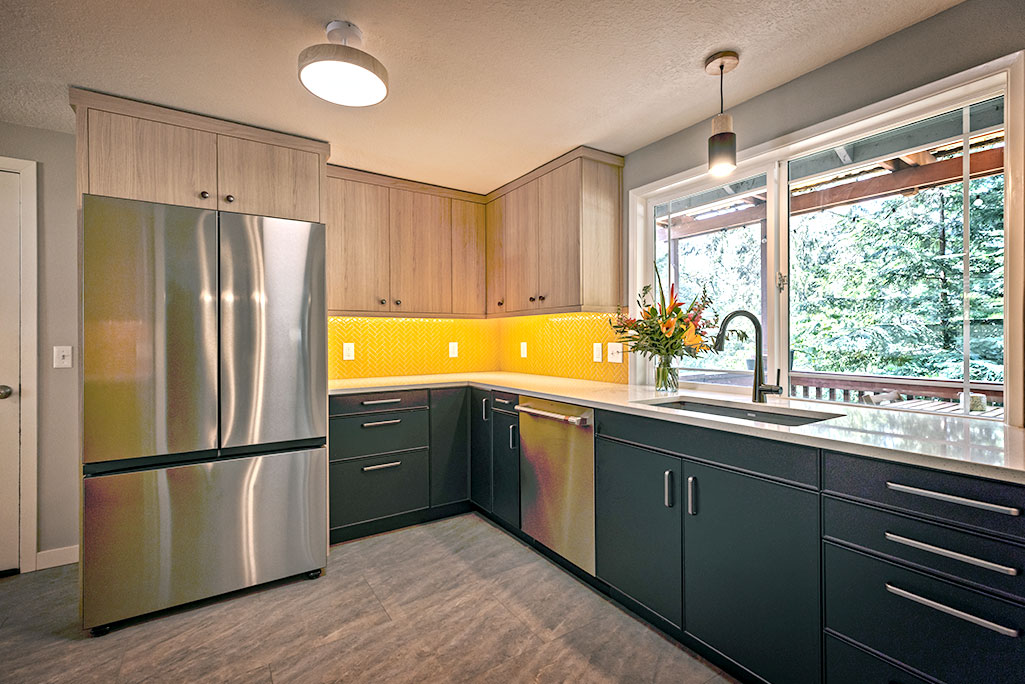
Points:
(983, 504)
(375, 487)
(344, 404)
(846, 664)
(378, 433)
(994, 565)
(941, 629)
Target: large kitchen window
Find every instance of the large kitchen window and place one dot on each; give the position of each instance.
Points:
(716, 239)
(892, 301)
(874, 254)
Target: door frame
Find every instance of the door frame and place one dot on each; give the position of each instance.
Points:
(29, 363)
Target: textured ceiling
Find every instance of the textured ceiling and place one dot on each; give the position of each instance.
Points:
(481, 92)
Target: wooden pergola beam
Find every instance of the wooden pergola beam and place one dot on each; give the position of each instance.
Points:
(983, 163)
(686, 226)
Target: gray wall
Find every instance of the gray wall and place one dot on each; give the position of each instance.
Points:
(959, 38)
(58, 324)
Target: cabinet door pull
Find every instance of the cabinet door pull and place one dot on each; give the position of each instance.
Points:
(692, 504)
(380, 423)
(947, 553)
(950, 498)
(382, 466)
(484, 409)
(376, 402)
(960, 614)
(667, 484)
(512, 429)
(502, 401)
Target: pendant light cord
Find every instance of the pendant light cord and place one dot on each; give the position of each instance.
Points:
(722, 107)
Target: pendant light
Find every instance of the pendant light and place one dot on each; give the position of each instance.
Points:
(339, 72)
(722, 146)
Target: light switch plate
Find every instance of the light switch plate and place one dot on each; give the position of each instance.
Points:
(596, 354)
(615, 352)
(348, 351)
(523, 350)
(453, 350)
(62, 357)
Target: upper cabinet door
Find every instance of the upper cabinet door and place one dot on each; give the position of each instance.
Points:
(558, 252)
(267, 180)
(494, 256)
(520, 245)
(421, 252)
(155, 162)
(358, 256)
(468, 283)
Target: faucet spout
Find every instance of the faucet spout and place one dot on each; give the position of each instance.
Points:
(759, 388)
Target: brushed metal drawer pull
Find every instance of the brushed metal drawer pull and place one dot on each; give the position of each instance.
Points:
(947, 553)
(692, 504)
(950, 498)
(382, 466)
(502, 401)
(667, 484)
(967, 617)
(379, 423)
(579, 421)
(375, 402)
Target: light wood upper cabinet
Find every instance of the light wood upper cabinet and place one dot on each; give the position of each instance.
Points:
(519, 248)
(494, 256)
(468, 240)
(558, 233)
(358, 252)
(558, 229)
(421, 252)
(151, 161)
(267, 180)
(136, 150)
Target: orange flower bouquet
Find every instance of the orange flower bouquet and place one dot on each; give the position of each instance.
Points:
(667, 330)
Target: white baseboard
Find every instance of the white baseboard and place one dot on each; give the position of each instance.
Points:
(51, 558)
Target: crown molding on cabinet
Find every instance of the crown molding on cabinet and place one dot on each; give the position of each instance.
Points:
(80, 97)
(346, 173)
(582, 152)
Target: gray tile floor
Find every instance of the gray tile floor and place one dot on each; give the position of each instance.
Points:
(456, 600)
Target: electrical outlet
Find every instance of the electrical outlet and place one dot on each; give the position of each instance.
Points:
(348, 351)
(62, 357)
(596, 354)
(453, 350)
(615, 352)
(523, 350)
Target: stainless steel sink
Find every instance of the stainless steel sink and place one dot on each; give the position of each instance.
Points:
(777, 416)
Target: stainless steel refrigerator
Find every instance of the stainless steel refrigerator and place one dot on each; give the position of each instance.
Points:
(205, 405)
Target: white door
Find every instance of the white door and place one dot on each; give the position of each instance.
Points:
(10, 366)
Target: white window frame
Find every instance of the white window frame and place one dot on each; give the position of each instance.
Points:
(1004, 76)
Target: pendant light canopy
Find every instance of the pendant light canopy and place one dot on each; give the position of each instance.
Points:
(339, 72)
(722, 146)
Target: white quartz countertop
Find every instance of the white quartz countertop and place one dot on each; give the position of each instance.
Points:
(964, 445)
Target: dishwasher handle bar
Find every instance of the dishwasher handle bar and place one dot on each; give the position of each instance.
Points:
(579, 421)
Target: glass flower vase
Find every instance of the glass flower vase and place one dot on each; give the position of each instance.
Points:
(667, 377)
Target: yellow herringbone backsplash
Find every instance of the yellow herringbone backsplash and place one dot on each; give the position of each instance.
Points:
(557, 344)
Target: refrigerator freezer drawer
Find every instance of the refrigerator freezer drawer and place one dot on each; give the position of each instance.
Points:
(158, 538)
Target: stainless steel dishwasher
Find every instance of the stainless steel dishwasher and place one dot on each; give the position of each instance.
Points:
(557, 478)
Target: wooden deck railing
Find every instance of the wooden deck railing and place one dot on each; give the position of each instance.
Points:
(844, 387)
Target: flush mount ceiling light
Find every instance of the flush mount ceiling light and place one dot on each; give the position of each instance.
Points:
(722, 146)
(339, 72)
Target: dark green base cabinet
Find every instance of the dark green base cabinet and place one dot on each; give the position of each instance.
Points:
(373, 487)
(847, 664)
(639, 525)
(505, 458)
(480, 448)
(751, 572)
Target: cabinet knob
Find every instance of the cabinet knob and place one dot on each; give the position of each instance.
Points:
(398, 302)
(229, 198)
(541, 298)
(205, 194)
(500, 302)
(533, 299)
(384, 301)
